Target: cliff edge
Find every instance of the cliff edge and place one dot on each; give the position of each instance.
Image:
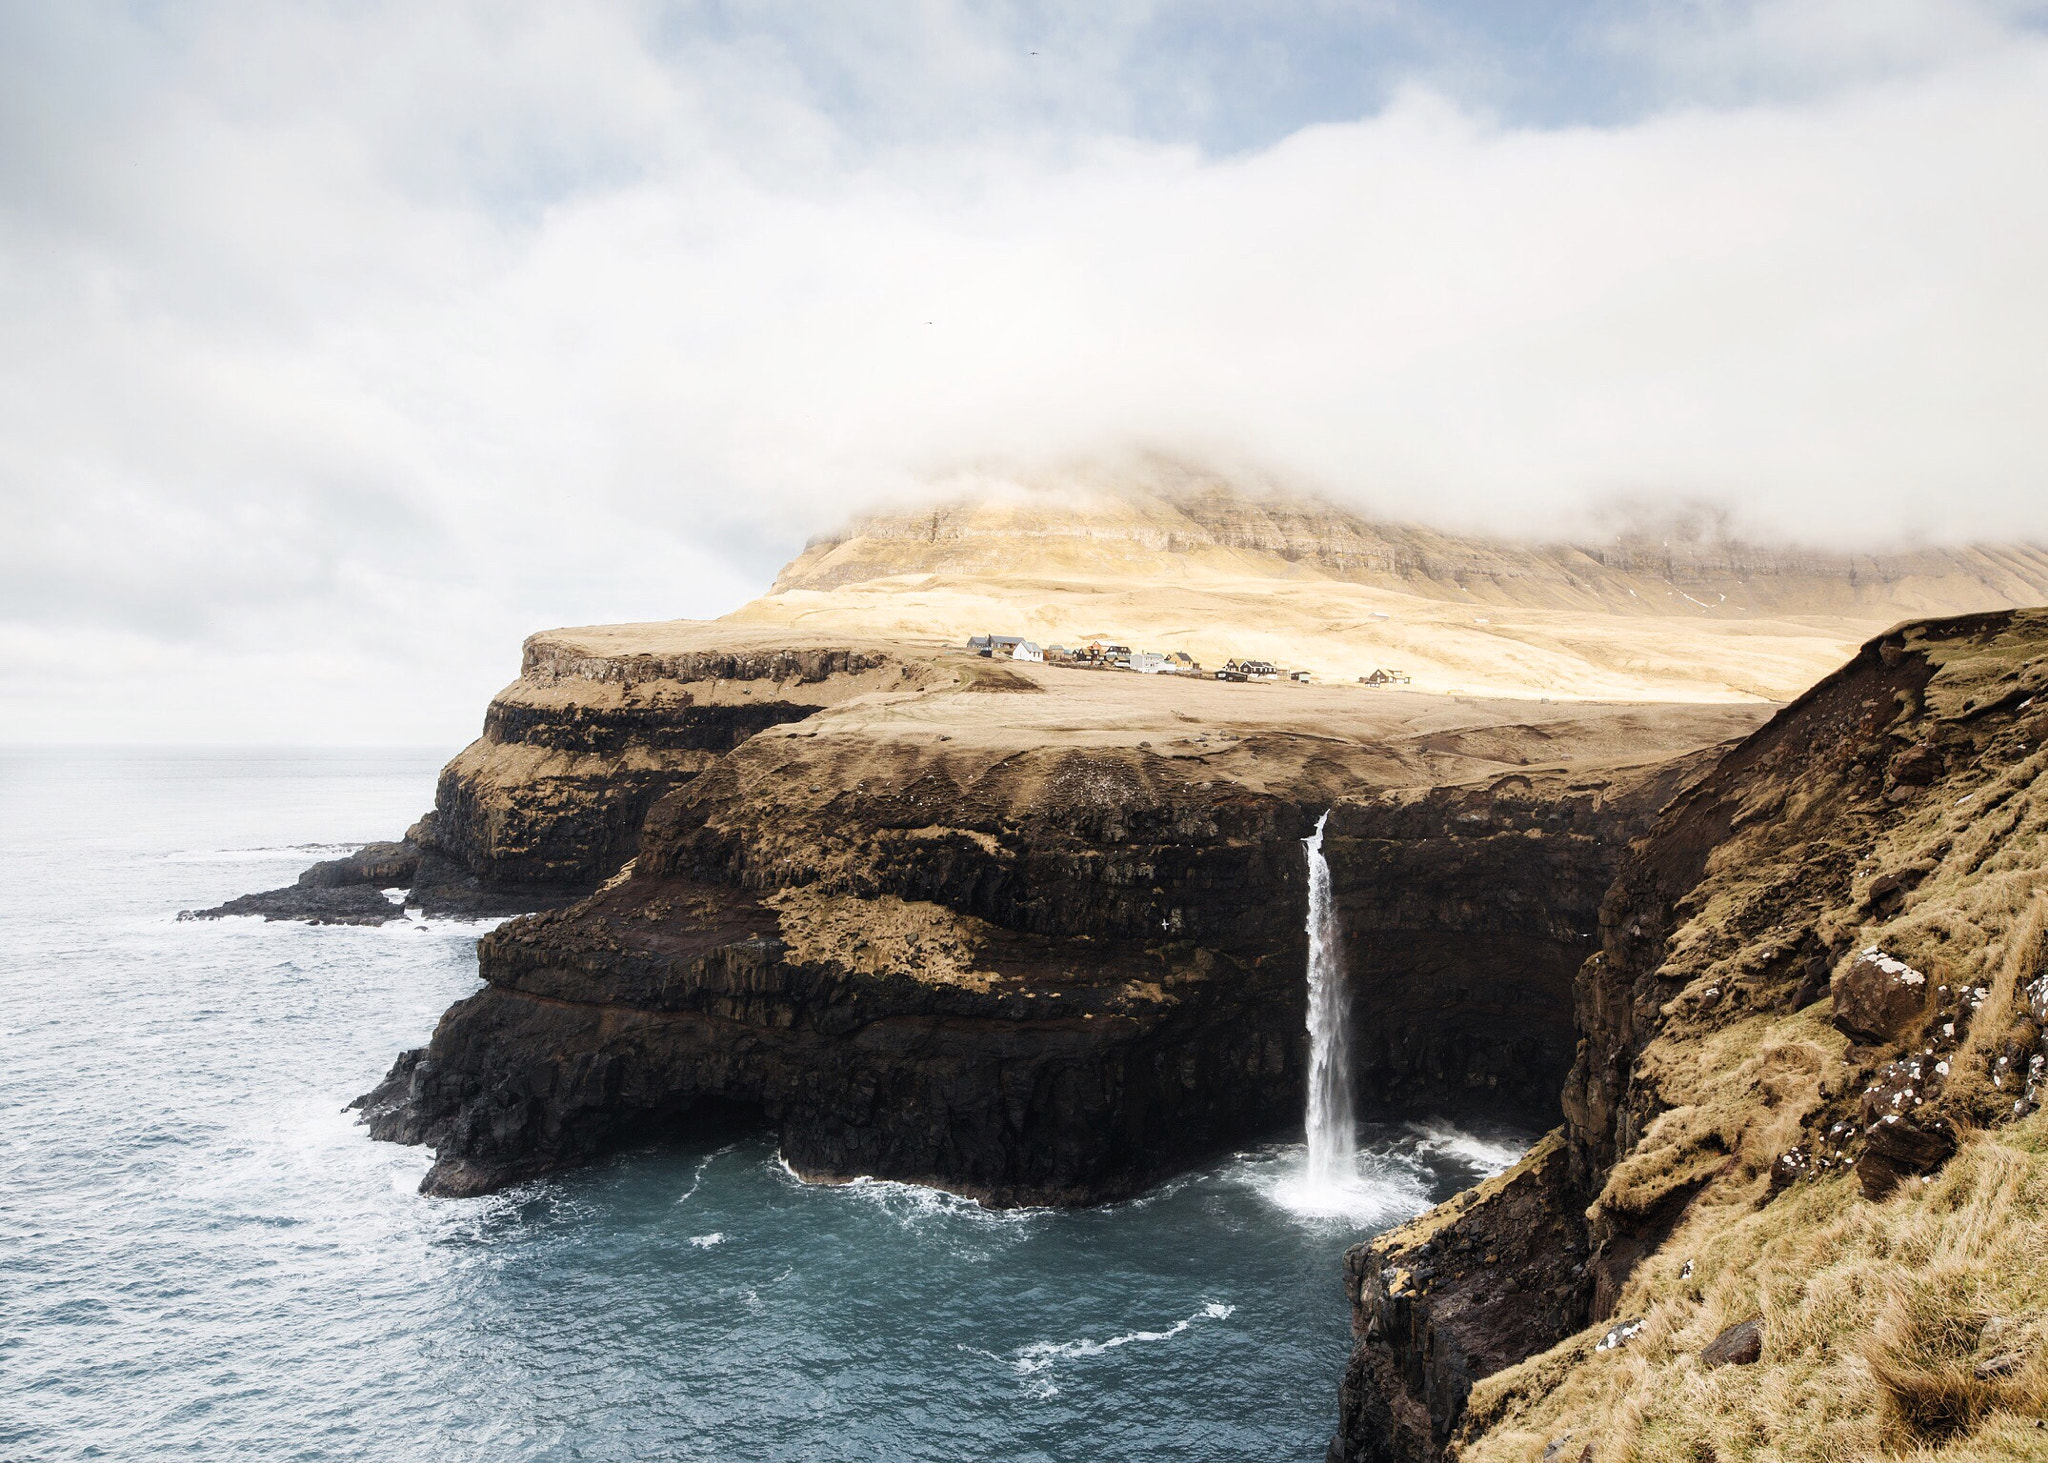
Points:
(1026, 932)
(1800, 1198)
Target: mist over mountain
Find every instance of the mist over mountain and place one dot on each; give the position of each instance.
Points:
(343, 350)
(1185, 560)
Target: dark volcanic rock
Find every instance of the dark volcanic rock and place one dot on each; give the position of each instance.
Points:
(342, 891)
(1740, 1345)
(1878, 998)
(1897, 1148)
(1036, 963)
(1473, 1286)
(1467, 911)
(1097, 978)
(381, 865)
(1070, 1076)
(319, 905)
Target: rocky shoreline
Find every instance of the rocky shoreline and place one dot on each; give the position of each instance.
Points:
(1038, 949)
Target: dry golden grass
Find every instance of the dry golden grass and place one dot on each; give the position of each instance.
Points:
(1875, 1319)
(880, 934)
(1310, 585)
(1879, 1319)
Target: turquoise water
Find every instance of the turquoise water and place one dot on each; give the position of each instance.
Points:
(201, 1256)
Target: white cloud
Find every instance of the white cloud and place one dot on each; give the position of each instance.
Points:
(343, 347)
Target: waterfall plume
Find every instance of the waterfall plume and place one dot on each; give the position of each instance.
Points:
(1332, 1123)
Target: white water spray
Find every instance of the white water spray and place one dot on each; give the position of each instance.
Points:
(1332, 1124)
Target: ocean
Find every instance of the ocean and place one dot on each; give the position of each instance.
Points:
(202, 1256)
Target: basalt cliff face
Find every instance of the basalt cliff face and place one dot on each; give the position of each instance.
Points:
(1029, 933)
(548, 803)
(1799, 1198)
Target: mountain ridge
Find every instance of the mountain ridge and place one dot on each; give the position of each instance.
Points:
(1685, 612)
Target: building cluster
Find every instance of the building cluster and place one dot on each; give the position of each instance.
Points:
(1100, 656)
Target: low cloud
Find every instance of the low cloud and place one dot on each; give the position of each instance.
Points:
(340, 352)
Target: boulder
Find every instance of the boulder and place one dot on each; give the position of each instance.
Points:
(1897, 1148)
(1739, 1345)
(381, 865)
(1788, 1168)
(1879, 998)
(1916, 766)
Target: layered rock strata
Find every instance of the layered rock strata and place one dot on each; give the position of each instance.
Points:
(548, 802)
(1816, 970)
(1035, 935)
(1172, 560)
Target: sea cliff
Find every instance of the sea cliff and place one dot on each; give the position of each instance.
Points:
(1029, 933)
(1799, 1131)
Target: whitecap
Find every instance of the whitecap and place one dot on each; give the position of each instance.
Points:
(258, 855)
(697, 1178)
(912, 1204)
(1035, 1361)
(706, 1241)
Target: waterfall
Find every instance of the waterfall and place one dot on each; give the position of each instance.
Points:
(1332, 1125)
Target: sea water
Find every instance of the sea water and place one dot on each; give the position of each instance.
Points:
(201, 1255)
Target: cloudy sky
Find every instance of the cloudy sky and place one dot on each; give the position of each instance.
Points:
(341, 345)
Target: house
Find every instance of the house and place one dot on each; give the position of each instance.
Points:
(1298, 676)
(1150, 663)
(1384, 678)
(1250, 670)
(1184, 663)
(1005, 647)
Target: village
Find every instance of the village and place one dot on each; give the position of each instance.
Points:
(1099, 656)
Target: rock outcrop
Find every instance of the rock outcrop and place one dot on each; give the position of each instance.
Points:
(1474, 1286)
(1814, 973)
(548, 802)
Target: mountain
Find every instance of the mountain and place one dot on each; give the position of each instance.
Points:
(1677, 612)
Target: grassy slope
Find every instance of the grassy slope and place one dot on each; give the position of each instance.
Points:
(1874, 1318)
(1874, 1315)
